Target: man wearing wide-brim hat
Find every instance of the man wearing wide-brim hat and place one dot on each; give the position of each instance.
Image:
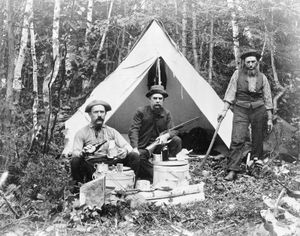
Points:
(148, 123)
(87, 148)
(249, 95)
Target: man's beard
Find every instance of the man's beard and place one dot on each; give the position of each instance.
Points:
(157, 108)
(252, 72)
(97, 125)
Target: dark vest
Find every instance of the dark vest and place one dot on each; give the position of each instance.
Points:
(243, 95)
(242, 88)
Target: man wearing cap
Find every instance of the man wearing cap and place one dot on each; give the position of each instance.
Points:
(148, 123)
(250, 95)
(82, 165)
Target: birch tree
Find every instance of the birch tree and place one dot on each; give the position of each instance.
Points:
(122, 35)
(50, 78)
(102, 41)
(211, 50)
(34, 77)
(11, 58)
(89, 17)
(194, 39)
(17, 82)
(235, 30)
(184, 27)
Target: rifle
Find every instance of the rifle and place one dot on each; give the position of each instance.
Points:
(152, 146)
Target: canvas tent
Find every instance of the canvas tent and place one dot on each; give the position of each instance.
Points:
(125, 88)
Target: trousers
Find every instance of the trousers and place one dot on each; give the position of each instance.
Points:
(82, 170)
(242, 117)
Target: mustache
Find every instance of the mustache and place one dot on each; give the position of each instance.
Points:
(99, 119)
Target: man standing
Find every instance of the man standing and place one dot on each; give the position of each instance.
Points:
(249, 93)
(115, 148)
(148, 123)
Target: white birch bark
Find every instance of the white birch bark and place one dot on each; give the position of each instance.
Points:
(89, 17)
(176, 17)
(184, 23)
(55, 39)
(211, 51)
(34, 78)
(194, 40)
(11, 54)
(103, 37)
(17, 83)
(50, 78)
(235, 31)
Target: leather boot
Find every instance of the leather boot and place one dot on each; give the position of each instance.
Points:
(230, 176)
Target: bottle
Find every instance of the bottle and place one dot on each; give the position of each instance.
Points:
(165, 153)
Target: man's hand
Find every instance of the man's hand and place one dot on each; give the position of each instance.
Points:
(221, 115)
(136, 150)
(270, 125)
(122, 153)
(162, 139)
(88, 149)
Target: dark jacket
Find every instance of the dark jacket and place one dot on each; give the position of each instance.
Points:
(147, 126)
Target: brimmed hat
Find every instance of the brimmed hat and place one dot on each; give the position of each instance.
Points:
(251, 53)
(97, 102)
(157, 89)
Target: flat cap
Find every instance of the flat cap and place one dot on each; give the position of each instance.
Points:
(97, 102)
(157, 89)
(251, 53)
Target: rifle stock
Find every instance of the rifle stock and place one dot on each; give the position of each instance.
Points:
(152, 146)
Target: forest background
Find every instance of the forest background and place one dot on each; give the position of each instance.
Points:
(54, 52)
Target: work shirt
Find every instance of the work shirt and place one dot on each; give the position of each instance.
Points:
(147, 126)
(230, 95)
(88, 135)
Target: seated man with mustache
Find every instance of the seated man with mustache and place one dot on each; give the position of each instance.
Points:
(82, 165)
(148, 123)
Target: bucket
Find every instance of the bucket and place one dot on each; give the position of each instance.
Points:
(120, 180)
(171, 174)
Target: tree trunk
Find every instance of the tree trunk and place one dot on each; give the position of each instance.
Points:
(51, 77)
(17, 83)
(272, 49)
(275, 75)
(120, 56)
(89, 18)
(211, 50)
(11, 54)
(194, 40)
(201, 53)
(176, 18)
(34, 79)
(235, 32)
(184, 26)
(103, 38)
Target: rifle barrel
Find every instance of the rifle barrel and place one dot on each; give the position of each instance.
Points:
(185, 123)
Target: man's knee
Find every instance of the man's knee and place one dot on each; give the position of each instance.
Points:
(176, 144)
(75, 163)
(176, 140)
(133, 157)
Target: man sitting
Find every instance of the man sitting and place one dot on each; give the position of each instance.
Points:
(115, 148)
(148, 123)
